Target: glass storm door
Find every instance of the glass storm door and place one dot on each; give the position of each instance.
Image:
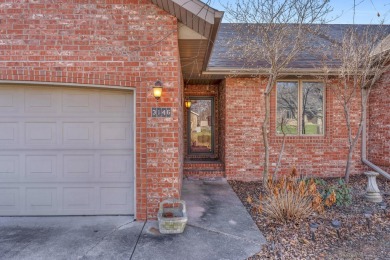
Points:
(201, 125)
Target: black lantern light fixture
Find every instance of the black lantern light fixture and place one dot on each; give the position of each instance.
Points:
(157, 89)
(187, 103)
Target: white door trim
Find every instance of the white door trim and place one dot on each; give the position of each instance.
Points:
(55, 84)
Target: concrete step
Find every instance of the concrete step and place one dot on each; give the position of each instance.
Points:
(201, 169)
(204, 165)
(199, 174)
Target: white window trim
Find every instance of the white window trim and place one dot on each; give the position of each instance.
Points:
(300, 87)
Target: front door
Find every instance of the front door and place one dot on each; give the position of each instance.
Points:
(201, 126)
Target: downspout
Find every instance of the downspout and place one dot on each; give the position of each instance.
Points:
(364, 148)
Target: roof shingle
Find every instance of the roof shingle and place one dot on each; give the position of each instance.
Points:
(223, 58)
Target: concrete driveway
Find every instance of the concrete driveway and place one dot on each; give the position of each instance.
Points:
(218, 227)
(68, 237)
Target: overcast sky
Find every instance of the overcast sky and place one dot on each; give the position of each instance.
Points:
(366, 10)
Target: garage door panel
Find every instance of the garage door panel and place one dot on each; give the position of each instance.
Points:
(115, 102)
(77, 133)
(9, 167)
(41, 133)
(117, 167)
(41, 200)
(79, 198)
(118, 134)
(9, 133)
(41, 168)
(9, 199)
(115, 198)
(40, 100)
(79, 167)
(10, 101)
(66, 151)
(79, 101)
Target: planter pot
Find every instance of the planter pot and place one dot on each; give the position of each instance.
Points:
(173, 219)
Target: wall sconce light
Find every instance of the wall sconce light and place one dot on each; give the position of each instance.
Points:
(157, 89)
(187, 103)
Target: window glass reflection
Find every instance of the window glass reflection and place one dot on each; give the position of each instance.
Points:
(312, 108)
(287, 103)
(201, 126)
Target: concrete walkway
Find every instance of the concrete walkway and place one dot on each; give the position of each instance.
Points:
(218, 228)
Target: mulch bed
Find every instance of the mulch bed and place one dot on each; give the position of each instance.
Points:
(293, 240)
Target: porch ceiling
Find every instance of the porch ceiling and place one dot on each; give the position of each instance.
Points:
(193, 56)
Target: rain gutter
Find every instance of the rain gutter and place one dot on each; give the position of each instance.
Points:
(364, 151)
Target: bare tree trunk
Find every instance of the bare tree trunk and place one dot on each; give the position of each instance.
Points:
(350, 152)
(265, 138)
(267, 106)
(351, 143)
(352, 140)
(348, 166)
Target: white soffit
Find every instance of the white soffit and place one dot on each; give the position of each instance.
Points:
(186, 33)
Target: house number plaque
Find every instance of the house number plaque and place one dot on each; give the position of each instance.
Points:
(161, 111)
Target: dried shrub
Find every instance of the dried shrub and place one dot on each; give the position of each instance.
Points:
(291, 198)
(287, 206)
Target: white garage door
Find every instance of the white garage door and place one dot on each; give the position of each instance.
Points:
(66, 151)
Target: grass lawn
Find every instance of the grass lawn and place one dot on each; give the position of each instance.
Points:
(292, 129)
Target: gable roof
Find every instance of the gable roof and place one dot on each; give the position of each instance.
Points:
(195, 14)
(198, 27)
(225, 62)
(205, 55)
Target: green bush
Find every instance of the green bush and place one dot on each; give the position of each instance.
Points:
(341, 189)
(343, 193)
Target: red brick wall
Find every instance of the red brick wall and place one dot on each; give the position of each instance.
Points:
(378, 146)
(129, 43)
(243, 139)
(323, 156)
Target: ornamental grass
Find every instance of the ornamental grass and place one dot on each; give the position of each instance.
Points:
(290, 198)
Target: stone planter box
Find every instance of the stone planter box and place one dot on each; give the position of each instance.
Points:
(172, 219)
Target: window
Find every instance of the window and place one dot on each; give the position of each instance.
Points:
(300, 108)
